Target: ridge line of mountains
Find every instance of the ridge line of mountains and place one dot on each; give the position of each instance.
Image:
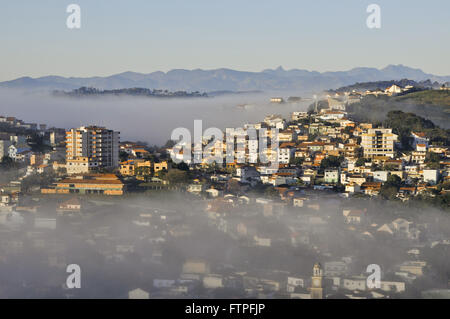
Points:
(228, 80)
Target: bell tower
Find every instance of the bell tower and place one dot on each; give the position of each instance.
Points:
(316, 282)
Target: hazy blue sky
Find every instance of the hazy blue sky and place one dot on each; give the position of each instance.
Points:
(150, 35)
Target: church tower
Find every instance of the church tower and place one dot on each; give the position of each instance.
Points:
(316, 282)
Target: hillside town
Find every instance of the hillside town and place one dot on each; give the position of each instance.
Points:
(343, 190)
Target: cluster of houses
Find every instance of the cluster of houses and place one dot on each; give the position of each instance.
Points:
(307, 216)
(301, 220)
(322, 150)
(138, 163)
(17, 123)
(15, 147)
(355, 95)
(327, 150)
(324, 159)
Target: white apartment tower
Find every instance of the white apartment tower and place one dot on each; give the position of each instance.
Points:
(91, 147)
(378, 142)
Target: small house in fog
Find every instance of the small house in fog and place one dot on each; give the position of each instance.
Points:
(195, 188)
(195, 266)
(138, 294)
(213, 281)
(277, 100)
(71, 205)
(213, 192)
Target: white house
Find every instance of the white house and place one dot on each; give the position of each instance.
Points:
(285, 153)
(380, 176)
(394, 89)
(195, 188)
(419, 138)
(247, 173)
(332, 115)
(294, 282)
(213, 192)
(275, 121)
(332, 176)
(212, 281)
(431, 176)
(352, 188)
(19, 153)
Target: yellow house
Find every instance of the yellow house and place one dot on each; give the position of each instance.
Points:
(161, 166)
(127, 168)
(134, 167)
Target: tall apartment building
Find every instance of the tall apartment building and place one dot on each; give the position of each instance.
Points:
(90, 148)
(378, 142)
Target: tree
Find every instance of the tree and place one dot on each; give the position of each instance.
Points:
(348, 130)
(403, 123)
(390, 188)
(143, 171)
(433, 160)
(123, 156)
(361, 161)
(7, 162)
(233, 186)
(297, 161)
(394, 180)
(182, 166)
(331, 161)
(169, 144)
(271, 192)
(176, 176)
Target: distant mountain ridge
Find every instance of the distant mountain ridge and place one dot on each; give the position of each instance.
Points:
(228, 80)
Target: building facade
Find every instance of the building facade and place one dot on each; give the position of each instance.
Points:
(89, 148)
(316, 282)
(101, 184)
(4, 148)
(378, 142)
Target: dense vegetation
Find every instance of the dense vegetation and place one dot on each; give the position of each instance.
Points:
(433, 105)
(403, 124)
(435, 97)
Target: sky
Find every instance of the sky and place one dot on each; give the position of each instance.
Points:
(253, 35)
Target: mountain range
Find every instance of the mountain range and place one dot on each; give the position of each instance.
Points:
(227, 80)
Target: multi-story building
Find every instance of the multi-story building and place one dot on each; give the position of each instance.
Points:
(91, 147)
(275, 121)
(81, 165)
(419, 138)
(378, 142)
(286, 152)
(4, 148)
(287, 136)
